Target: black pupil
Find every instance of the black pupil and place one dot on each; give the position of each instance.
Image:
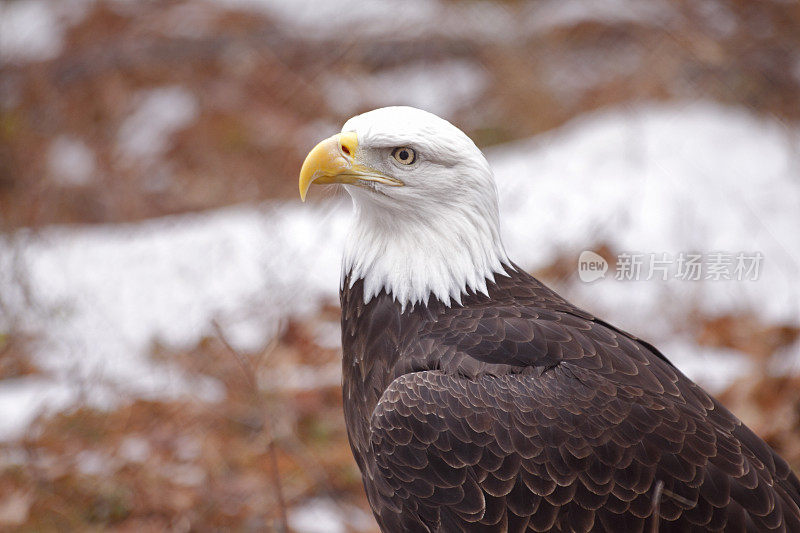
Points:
(403, 155)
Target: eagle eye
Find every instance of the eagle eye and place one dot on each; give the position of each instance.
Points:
(404, 155)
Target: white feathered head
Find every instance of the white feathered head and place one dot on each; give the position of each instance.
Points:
(427, 220)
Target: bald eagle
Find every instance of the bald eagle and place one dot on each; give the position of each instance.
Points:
(477, 399)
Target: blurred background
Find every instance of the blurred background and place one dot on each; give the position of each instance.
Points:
(169, 339)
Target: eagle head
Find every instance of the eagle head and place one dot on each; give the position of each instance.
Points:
(427, 222)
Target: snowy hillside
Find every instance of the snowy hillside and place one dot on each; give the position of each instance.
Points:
(655, 179)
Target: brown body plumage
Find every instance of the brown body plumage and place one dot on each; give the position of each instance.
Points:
(520, 412)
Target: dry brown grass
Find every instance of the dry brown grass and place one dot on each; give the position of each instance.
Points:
(185, 465)
(15, 356)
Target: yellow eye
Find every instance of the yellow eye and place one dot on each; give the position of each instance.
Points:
(404, 155)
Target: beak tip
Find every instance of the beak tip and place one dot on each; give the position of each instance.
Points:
(324, 163)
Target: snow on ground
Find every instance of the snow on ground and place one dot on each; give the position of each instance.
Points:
(159, 113)
(29, 30)
(665, 179)
(327, 516)
(70, 161)
(479, 20)
(99, 297)
(33, 30)
(656, 179)
(441, 88)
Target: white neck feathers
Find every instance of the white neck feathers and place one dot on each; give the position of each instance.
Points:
(417, 256)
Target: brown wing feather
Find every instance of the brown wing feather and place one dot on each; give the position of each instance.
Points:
(569, 451)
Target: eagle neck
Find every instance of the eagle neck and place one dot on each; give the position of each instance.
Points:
(424, 255)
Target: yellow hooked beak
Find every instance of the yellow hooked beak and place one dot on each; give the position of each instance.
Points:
(333, 161)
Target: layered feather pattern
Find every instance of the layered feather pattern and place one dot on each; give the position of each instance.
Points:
(518, 411)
